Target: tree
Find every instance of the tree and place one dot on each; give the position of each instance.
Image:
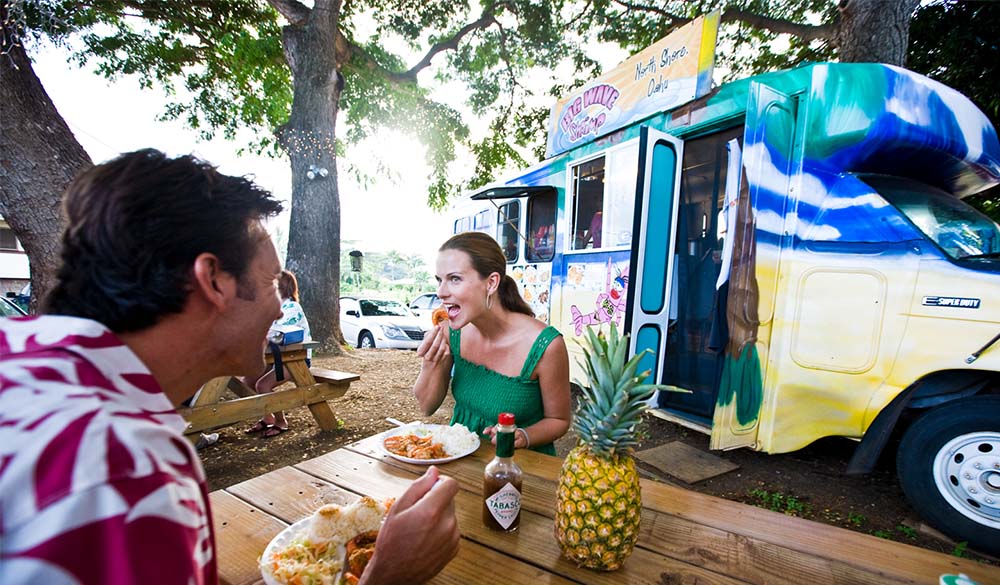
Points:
(290, 83)
(39, 154)
(818, 30)
(38, 157)
(956, 43)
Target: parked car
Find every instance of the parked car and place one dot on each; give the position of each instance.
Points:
(21, 299)
(380, 323)
(424, 305)
(10, 309)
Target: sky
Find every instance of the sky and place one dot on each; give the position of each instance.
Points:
(109, 118)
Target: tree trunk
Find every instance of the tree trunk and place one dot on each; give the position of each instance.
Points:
(874, 31)
(39, 156)
(308, 137)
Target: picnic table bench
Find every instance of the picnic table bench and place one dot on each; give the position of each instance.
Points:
(313, 387)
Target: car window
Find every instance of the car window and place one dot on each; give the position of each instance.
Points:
(423, 302)
(376, 308)
(9, 310)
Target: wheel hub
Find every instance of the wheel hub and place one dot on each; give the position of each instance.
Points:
(967, 473)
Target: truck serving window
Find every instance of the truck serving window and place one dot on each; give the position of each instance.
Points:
(603, 201)
(588, 204)
(961, 231)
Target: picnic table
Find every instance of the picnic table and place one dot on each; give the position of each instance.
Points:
(685, 537)
(312, 387)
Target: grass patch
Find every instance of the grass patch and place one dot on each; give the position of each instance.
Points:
(779, 502)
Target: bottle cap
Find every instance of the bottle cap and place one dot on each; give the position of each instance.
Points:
(506, 419)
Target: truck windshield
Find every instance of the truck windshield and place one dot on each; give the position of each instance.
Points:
(958, 229)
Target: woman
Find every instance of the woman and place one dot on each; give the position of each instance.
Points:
(275, 423)
(504, 359)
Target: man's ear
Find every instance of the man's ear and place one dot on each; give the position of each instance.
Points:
(215, 285)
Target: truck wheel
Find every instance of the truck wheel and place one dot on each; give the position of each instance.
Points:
(366, 341)
(949, 468)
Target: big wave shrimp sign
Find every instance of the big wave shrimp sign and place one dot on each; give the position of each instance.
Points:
(673, 71)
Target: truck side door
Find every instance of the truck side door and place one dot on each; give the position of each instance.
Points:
(657, 193)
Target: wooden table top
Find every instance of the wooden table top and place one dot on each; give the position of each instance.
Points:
(685, 536)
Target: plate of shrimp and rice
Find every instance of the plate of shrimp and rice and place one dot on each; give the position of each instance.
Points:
(330, 547)
(429, 444)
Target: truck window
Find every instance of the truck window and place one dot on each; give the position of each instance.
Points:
(588, 204)
(483, 222)
(541, 228)
(463, 224)
(509, 218)
(962, 232)
(603, 201)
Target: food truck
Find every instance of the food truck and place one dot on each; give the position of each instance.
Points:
(792, 248)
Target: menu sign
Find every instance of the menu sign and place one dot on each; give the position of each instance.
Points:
(673, 71)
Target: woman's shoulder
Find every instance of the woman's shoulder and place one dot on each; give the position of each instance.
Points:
(528, 326)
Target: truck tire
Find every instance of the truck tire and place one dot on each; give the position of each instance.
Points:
(949, 467)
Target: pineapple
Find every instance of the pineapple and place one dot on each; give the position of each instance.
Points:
(598, 505)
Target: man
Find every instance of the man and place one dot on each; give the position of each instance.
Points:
(167, 280)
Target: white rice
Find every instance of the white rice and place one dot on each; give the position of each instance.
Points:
(342, 523)
(315, 554)
(455, 439)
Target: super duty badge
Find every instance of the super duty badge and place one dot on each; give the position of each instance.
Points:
(957, 302)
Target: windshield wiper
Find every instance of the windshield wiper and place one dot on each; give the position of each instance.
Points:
(978, 256)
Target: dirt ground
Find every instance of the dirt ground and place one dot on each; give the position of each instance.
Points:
(808, 483)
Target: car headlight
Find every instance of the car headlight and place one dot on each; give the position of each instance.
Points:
(393, 332)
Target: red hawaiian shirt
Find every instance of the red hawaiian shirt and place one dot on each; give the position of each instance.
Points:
(97, 483)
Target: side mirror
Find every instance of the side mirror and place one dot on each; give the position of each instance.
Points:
(353, 313)
(12, 295)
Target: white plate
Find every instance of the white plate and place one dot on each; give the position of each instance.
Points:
(418, 429)
(283, 539)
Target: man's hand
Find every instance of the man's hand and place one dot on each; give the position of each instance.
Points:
(420, 534)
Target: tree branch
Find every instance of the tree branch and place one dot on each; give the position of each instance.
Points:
(488, 18)
(346, 48)
(294, 11)
(674, 19)
(805, 32)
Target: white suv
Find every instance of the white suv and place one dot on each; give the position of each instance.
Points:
(379, 323)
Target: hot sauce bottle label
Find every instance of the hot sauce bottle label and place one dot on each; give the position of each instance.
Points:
(504, 505)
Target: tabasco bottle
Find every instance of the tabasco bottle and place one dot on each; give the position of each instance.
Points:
(502, 481)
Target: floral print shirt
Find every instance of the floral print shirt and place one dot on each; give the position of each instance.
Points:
(97, 483)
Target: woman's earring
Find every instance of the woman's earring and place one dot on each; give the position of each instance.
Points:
(489, 301)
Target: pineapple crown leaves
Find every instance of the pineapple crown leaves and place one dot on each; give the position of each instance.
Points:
(613, 397)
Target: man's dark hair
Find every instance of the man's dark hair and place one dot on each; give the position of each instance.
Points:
(134, 226)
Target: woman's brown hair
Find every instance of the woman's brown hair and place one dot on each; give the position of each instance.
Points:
(486, 258)
(288, 286)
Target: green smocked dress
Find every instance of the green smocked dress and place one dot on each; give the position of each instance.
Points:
(481, 394)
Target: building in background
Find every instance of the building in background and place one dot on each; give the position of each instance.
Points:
(14, 274)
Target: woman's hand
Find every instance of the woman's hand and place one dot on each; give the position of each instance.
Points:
(435, 346)
(520, 436)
